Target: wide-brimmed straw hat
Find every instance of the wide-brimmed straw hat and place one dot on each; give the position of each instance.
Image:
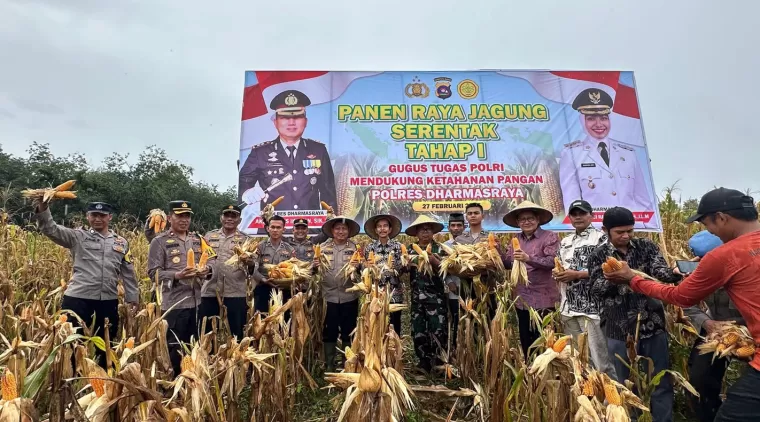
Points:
(544, 215)
(353, 226)
(371, 224)
(423, 219)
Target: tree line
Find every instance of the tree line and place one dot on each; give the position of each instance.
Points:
(133, 189)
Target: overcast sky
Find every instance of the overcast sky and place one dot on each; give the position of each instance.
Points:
(97, 76)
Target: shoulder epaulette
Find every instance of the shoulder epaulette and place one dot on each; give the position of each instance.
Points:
(313, 140)
(624, 146)
(572, 144)
(262, 144)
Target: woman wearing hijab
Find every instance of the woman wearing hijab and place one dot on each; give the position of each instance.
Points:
(342, 306)
(429, 310)
(383, 229)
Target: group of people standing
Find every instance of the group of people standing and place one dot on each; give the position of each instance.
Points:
(610, 307)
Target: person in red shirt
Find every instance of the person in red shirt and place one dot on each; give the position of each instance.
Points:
(735, 266)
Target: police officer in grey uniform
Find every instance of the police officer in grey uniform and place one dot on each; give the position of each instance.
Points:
(167, 259)
(229, 283)
(101, 257)
(273, 250)
(302, 242)
(289, 155)
(597, 168)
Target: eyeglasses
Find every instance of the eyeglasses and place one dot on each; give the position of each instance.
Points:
(526, 220)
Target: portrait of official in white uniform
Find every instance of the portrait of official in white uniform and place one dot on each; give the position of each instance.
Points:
(597, 168)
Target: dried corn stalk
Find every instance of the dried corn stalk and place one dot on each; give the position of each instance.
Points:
(245, 253)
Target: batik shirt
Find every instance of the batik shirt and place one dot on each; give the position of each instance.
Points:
(574, 252)
(381, 256)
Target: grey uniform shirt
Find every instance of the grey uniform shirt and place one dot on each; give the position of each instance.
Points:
(99, 261)
(305, 248)
(269, 254)
(229, 281)
(333, 284)
(168, 255)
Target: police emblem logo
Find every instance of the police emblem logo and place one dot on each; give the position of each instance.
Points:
(595, 97)
(291, 100)
(99, 207)
(313, 180)
(468, 89)
(416, 89)
(184, 205)
(273, 154)
(443, 87)
(176, 260)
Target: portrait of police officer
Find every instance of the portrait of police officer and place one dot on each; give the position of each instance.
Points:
(290, 165)
(597, 168)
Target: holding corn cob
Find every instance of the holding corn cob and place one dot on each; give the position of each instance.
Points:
(45, 195)
(519, 273)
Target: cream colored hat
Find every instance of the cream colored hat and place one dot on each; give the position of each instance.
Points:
(423, 219)
(371, 223)
(353, 226)
(544, 215)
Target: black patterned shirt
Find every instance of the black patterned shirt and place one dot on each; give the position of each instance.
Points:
(381, 255)
(620, 305)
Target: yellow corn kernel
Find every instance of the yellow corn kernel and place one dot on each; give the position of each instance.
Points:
(417, 248)
(403, 250)
(65, 185)
(130, 344)
(588, 388)
(186, 364)
(190, 258)
(558, 264)
(324, 205)
(745, 351)
(515, 244)
(730, 338)
(10, 391)
(277, 201)
(98, 385)
(203, 260)
(65, 195)
(612, 395)
(560, 344)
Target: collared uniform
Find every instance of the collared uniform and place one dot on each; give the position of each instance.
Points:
(269, 254)
(342, 306)
(99, 261)
(313, 178)
(230, 281)
(305, 248)
(585, 175)
(168, 255)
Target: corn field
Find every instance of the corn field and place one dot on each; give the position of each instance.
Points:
(275, 373)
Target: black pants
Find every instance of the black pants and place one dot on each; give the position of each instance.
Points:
(528, 333)
(340, 317)
(453, 321)
(85, 308)
(395, 320)
(237, 313)
(183, 323)
(743, 399)
(707, 378)
(261, 296)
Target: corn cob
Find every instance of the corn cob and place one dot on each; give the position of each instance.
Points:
(429, 248)
(611, 394)
(371, 258)
(325, 206)
(346, 194)
(317, 251)
(403, 250)
(730, 339)
(203, 260)
(10, 391)
(98, 385)
(130, 344)
(277, 201)
(588, 388)
(65, 195)
(613, 264)
(417, 249)
(558, 265)
(190, 258)
(65, 186)
(491, 240)
(745, 351)
(560, 344)
(186, 364)
(515, 244)
(551, 192)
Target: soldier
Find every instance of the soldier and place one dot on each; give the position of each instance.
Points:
(101, 258)
(429, 326)
(383, 229)
(342, 306)
(271, 251)
(180, 286)
(304, 160)
(599, 169)
(228, 282)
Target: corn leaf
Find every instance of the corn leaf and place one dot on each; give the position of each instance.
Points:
(98, 342)
(38, 378)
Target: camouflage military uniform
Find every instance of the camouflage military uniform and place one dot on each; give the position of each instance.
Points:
(429, 312)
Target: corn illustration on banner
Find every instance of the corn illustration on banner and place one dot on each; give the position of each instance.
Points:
(407, 143)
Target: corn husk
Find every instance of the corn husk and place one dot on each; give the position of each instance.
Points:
(470, 260)
(729, 339)
(45, 195)
(286, 273)
(243, 254)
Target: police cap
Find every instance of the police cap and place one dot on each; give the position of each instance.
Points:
(231, 208)
(290, 103)
(593, 101)
(100, 207)
(181, 207)
(300, 222)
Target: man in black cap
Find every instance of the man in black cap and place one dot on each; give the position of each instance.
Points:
(579, 308)
(624, 310)
(302, 242)
(597, 168)
(101, 259)
(229, 284)
(291, 166)
(180, 286)
(735, 266)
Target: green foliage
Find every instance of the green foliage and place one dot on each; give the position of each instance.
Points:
(134, 189)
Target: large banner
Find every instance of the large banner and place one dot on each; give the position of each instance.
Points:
(411, 143)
